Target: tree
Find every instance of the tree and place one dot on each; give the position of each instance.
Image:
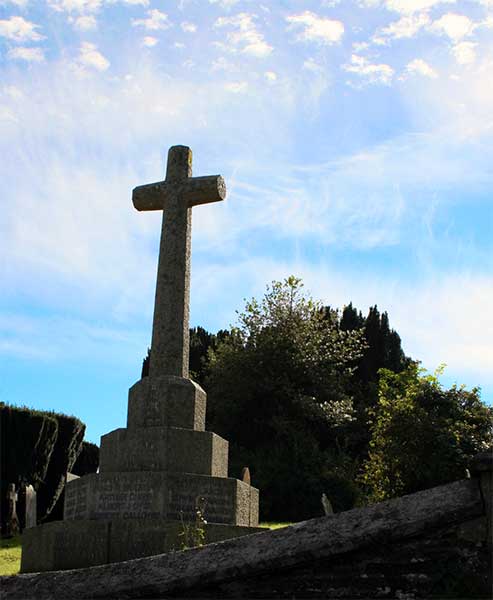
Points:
(277, 390)
(421, 434)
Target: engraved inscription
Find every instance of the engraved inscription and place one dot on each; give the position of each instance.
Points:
(126, 498)
(219, 503)
(76, 500)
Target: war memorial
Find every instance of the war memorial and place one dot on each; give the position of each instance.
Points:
(155, 472)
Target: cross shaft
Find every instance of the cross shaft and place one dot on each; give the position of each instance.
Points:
(176, 196)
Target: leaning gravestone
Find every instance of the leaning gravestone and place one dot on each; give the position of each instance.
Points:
(153, 472)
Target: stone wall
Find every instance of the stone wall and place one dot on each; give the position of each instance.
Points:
(433, 544)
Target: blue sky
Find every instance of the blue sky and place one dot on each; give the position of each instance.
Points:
(355, 138)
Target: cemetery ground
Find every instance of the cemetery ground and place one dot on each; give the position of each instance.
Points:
(10, 555)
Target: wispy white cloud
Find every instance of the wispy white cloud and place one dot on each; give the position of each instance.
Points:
(132, 2)
(19, 29)
(370, 72)
(149, 41)
(405, 7)
(464, 52)
(18, 3)
(80, 6)
(406, 27)
(224, 3)
(156, 20)
(27, 54)
(89, 56)
(84, 22)
(245, 36)
(188, 27)
(420, 67)
(314, 28)
(236, 87)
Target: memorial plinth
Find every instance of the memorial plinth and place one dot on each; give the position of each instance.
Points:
(153, 472)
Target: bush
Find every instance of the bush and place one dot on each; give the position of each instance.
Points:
(421, 434)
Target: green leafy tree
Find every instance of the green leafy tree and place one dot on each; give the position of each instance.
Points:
(277, 389)
(421, 434)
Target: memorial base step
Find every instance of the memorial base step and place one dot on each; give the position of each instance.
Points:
(62, 545)
(161, 495)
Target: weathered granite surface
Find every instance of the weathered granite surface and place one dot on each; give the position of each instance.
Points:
(410, 547)
(164, 464)
(166, 401)
(164, 449)
(176, 196)
(68, 543)
(160, 495)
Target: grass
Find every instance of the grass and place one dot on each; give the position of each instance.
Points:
(10, 555)
(275, 525)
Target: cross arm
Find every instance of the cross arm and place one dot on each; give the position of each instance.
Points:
(202, 190)
(150, 197)
(194, 190)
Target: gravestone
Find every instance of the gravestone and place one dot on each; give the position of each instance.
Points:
(245, 475)
(327, 505)
(26, 507)
(152, 472)
(11, 520)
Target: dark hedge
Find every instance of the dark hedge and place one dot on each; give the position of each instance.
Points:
(27, 441)
(87, 461)
(67, 447)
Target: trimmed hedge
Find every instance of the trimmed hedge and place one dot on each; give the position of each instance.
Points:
(27, 442)
(67, 447)
(87, 461)
(38, 448)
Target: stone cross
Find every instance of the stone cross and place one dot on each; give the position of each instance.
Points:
(12, 521)
(175, 196)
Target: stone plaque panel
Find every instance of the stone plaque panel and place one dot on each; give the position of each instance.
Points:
(138, 495)
(219, 494)
(154, 495)
(77, 498)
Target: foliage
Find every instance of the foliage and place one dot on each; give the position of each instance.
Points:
(10, 555)
(27, 442)
(193, 532)
(421, 434)
(67, 447)
(87, 461)
(277, 389)
(383, 350)
(200, 342)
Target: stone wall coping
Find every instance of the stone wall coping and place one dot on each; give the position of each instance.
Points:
(333, 535)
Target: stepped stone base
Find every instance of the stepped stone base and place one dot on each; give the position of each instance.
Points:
(161, 495)
(166, 402)
(164, 449)
(62, 545)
